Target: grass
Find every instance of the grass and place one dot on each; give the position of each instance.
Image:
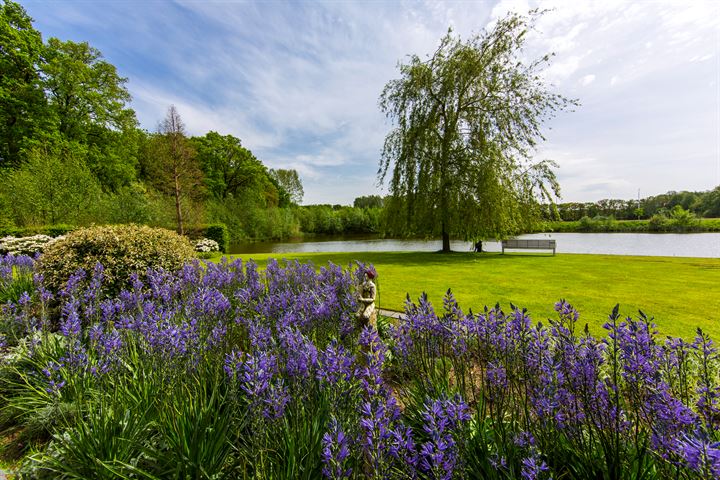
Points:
(681, 293)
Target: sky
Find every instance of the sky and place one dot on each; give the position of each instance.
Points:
(299, 82)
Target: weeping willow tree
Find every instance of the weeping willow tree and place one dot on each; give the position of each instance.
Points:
(467, 122)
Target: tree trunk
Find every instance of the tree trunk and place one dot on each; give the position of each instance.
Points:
(445, 240)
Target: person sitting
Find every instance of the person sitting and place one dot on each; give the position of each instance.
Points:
(478, 246)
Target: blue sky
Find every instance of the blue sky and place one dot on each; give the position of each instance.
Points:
(298, 82)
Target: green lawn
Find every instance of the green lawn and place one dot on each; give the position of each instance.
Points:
(681, 293)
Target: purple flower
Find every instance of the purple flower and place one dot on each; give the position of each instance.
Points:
(444, 418)
(532, 467)
(301, 356)
(335, 452)
(335, 364)
(70, 322)
(54, 377)
(700, 455)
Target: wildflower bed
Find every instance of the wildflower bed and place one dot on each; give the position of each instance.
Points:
(222, 371)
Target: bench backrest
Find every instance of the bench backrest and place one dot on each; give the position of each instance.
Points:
(528, 243)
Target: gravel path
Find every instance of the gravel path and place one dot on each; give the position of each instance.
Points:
(391, 313)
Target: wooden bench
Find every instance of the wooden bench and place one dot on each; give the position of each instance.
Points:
(529, 245)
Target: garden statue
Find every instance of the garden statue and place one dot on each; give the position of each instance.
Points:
(368, 291)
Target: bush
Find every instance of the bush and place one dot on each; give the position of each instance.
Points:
(26, 245)
(121, 249)
(658, 223)
(217, 232)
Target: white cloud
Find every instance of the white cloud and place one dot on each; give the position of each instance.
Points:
(587, 80)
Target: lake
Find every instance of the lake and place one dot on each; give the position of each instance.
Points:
(706, 245)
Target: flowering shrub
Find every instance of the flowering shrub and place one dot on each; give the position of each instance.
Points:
(121, 250)
(27, 245)
(225, 371)
(206, 245)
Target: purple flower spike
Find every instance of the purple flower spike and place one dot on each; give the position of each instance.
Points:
(335, 452)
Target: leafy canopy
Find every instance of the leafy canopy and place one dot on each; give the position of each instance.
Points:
(23, 109)
(229, 167)
(289, 180)
(467, 122)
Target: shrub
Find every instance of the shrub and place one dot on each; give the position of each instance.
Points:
(658, 223)
(26, 245)
(205, 245)
(219, 233)
(213, 231)
(121, 249)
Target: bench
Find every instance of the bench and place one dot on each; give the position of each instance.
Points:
(529, 245)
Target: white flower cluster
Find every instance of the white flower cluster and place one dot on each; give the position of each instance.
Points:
(206, 245)
(26, 245)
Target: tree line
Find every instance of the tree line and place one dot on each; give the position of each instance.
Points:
(701, 204)
(71, 151)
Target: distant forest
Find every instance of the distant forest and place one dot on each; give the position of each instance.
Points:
(701, 204)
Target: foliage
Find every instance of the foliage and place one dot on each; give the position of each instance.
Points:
(49, 230)
(369, 201)
(217, 232)
(658, 223)
(83, 90)
(124, 251)
(467, 122)
(702, 204)
(709, 205)
(53, 186)
(598, 224)
(289, 180)
(222, 371)
(324, 219)
(228, 167)
(23, 109)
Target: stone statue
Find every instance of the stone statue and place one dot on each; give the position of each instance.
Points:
(368, 291)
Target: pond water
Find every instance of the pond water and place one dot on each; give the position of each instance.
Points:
(706, 245)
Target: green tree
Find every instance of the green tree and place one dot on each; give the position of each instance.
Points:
(172, 165)
(23, 109)
(53, 185)
(89, 104)
(228, 167)
(84, 90)
(468, 120)
(710, 203)
(289, 180)
(368, 201)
